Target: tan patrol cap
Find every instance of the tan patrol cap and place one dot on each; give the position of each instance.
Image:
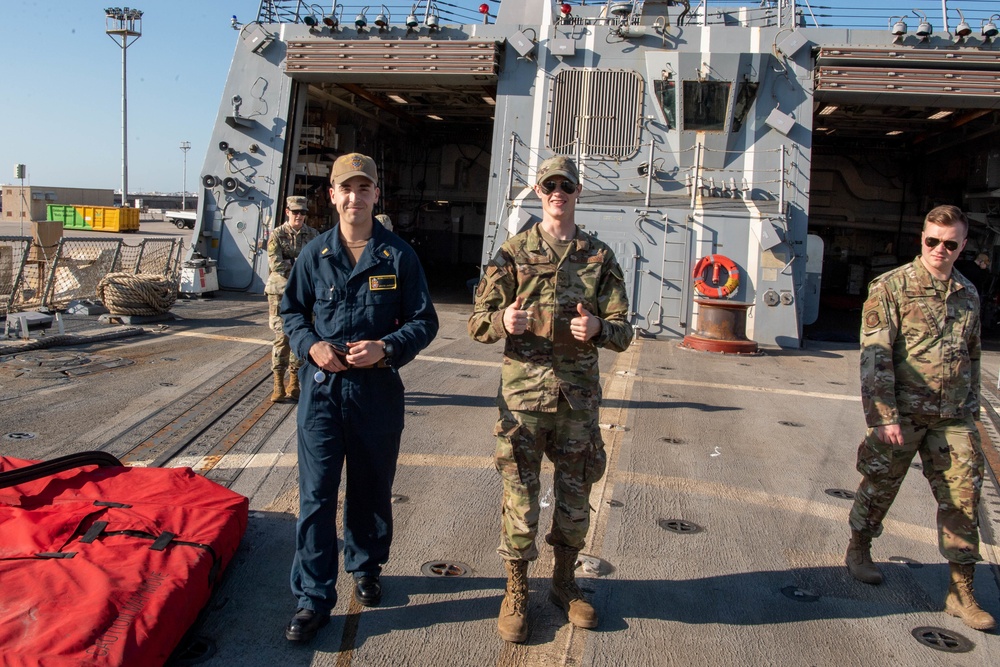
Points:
(559, 165)
(296, 203)
(353, 164)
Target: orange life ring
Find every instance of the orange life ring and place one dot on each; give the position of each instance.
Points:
(716, 262)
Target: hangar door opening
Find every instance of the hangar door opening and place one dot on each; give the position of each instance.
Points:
(430, 132)
(883, 156)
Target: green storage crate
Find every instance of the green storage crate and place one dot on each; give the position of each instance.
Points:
(67, 215)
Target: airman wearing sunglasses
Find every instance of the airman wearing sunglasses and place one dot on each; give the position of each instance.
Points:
(283, 248)
(555, 295)
(920, 363)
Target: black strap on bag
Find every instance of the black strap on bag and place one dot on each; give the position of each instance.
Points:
(57, 465)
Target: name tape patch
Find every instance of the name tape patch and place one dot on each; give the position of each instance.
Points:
(376, 283)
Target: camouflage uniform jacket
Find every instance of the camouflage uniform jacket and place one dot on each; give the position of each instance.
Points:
(546, 361)
(920, 349)
(283, 248)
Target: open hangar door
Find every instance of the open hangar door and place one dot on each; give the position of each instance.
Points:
(432, 146)
(881, 161)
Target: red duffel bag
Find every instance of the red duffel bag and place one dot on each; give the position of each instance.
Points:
(102, 564)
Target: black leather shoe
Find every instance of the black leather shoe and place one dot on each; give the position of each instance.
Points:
(368, 591)
(304, 625)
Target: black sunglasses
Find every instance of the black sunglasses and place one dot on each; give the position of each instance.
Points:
(548, 187)
(932, 242)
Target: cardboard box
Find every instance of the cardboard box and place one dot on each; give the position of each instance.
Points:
(46, 235)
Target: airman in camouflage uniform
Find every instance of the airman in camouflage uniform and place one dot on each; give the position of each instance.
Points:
(920, 375)
(554, 294)
(283, 248)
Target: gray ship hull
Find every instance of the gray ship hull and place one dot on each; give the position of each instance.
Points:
(806, 156)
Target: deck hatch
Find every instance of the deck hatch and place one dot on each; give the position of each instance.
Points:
(599, 109)
(445, 569)
(679, 526)
(940, 639)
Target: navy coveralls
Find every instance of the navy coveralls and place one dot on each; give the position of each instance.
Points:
(354, 415)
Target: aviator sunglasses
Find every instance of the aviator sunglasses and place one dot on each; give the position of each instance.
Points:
(549, 186)
(932, 242)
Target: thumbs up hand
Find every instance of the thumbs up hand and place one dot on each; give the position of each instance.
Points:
(585, 326)
(515, 318)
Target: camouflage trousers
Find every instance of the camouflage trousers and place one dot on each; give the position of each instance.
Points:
(282, 356)
(951, 456)
(571, 439)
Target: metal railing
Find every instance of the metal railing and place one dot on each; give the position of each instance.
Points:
(33, 277)
(295, 11)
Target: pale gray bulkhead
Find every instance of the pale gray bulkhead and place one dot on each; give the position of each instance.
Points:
(693, 139)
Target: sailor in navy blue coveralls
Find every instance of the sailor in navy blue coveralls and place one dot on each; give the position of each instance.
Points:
(351, 406)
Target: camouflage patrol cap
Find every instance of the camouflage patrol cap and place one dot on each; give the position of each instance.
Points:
(559, 165)
(353, 164)
(297, 204)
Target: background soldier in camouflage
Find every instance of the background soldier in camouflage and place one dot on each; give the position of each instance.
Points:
(554, 294)
(283, 248)
(920, 352)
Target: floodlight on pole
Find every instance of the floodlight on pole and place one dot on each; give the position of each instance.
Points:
(124, 26)
(20, 171)
(185, 147)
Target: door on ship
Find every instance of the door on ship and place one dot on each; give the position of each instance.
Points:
(430, 135)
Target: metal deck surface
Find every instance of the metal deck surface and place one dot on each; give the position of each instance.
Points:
(718, 534)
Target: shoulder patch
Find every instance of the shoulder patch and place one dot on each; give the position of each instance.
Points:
(875, 314)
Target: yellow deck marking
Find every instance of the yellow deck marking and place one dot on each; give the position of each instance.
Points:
(234, 339)
(743, 387)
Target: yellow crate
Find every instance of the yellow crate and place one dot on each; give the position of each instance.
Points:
(100, 218)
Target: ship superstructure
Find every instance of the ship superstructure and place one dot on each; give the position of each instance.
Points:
(805, 155)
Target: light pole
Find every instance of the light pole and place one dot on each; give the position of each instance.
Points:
(124, 26)
(185, 147)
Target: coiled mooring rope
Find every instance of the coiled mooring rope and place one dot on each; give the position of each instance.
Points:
(136, 294)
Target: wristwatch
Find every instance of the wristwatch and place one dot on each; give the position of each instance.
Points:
(389, 350)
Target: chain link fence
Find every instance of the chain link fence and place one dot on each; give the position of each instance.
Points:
(34, 277)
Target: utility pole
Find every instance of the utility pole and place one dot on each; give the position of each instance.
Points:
(124, 26)
(185, 147)
(19, 172)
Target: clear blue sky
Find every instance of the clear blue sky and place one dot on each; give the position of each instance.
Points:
(61, 108)
(60, 113)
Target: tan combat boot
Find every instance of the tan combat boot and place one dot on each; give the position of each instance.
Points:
(292, 389)
(859, 559)
(513, 621)
(962, 603)
(279, 386)
(566, 594)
